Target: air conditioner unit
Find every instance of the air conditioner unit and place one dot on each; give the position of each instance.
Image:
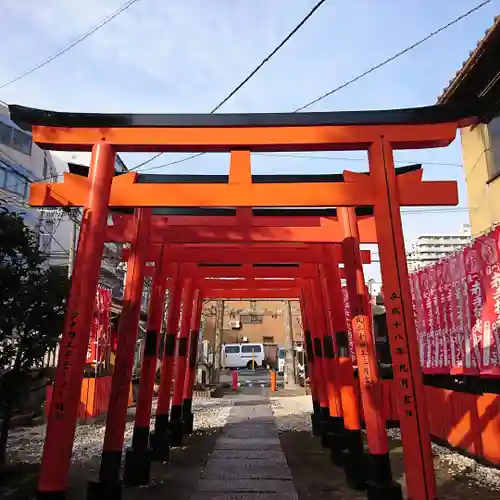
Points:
(235, 324)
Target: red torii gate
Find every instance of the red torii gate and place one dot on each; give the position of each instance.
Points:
(378, 132)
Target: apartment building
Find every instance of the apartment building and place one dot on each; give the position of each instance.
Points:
(433, 247)
(21, 163)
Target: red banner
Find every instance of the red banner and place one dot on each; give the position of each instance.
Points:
(490, 313)
(456, 305)
(100, 328)
(428, 323)
(473, 308)
(418, 313)
(455, 272)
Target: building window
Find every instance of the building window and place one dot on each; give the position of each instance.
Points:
(494, 159)
(251, 318)
(268, 340)
(5, 134)
(13, 182)
(21, 142)
(15, 139)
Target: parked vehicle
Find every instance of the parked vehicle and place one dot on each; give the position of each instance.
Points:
(242, 355)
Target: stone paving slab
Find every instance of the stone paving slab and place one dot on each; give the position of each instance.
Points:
(275, 455)
(217, 470)
(247, 462)
(251, 431)
(247, 485)
(248, 444)
(244, 463)
(244, 496)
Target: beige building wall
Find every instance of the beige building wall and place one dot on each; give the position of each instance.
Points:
(483, 188)
(270, 331)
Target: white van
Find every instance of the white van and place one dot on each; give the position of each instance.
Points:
(242, 355)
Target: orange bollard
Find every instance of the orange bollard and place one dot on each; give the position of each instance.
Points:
(273, 381)
(235, 380)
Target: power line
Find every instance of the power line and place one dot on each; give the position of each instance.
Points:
(393, 57)
(72, 44)
(298, 156)
(247, 78)
(348, 82)
(346, 158)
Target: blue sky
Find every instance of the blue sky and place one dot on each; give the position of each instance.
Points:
(186, 55)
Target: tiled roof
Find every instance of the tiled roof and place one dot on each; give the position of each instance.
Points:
(472, 60)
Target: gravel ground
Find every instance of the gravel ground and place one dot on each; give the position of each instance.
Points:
(458, 477)
(25, 444)
(292, 413)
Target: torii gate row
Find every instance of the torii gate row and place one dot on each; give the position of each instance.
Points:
(199, 229)
(258, 294)
(377, 132)
(244, 254)
(243, 190)
(295, 230)
(190, 271)
(247, 288)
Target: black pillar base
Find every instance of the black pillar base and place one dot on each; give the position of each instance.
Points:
(137, 468)
(97, 490)
(176, 433)
(159, 439)
(109, 485)
(315, 418)
(175, 425)
(380, 485)
(355, 466)
(159, 442)
(315, 424)
(335, 440)
(188, 424)
(390, 491)
(323, 422)
(51, 495)
(187, 417)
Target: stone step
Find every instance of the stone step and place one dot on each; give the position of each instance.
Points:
(205, 495)
(226, 443)
(275, 455)
(255, 470)
(247, 485)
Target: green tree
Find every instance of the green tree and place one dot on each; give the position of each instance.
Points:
(32, 308)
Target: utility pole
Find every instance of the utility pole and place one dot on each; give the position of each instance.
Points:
(219, 326)
(72, 247)
(290, 381)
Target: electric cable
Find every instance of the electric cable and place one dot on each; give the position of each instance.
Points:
(352, 80)
(71, 45)
(246, 79)
(393, 57)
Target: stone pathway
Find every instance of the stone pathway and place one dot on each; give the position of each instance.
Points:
(247, 462)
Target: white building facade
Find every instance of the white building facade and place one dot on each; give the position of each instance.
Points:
(432, 247)
(21, 163)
